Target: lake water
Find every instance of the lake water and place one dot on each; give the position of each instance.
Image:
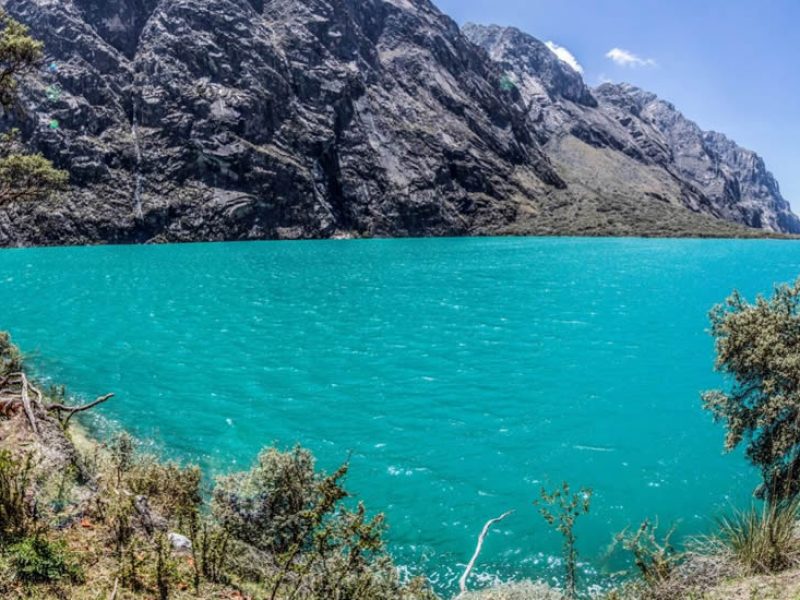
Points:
(463, 374)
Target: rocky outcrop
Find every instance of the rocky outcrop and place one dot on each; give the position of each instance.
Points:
(189, 120)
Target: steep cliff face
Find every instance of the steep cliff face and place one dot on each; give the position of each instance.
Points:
(231, 119)
(622, 130)
(246, 119)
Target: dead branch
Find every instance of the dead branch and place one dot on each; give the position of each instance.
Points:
(39, 397)
(18, 393)
(72, 410)
(26, 404)
(462, 583)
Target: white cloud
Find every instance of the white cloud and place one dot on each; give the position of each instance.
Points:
(625, 58)
(565, 56)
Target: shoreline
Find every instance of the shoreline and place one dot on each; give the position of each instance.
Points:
(744, 235)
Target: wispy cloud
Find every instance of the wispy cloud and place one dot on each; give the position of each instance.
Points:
(625, 58)
(565, 56)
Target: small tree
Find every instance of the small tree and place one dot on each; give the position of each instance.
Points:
(560, 509)
(23, 177)
(655, 559)
(758, 347)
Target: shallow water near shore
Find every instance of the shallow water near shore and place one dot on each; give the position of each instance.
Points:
(462, 374)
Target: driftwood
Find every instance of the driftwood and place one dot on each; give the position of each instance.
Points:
(18, 394)
(462, 583)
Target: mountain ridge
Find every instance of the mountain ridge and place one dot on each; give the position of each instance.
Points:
(640, 125)
(241, 119)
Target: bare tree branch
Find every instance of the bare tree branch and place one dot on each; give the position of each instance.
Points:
(12, 399)
(462, 583)
(26, 403)
(72, 410)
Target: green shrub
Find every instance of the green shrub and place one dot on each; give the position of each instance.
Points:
(172, 489)
(266, 506)
(10, 358)
(166, 569)
(290, 533)
(210, 546)
(37, 560)
(123, 452)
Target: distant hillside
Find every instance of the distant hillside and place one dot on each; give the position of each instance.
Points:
(189, 120)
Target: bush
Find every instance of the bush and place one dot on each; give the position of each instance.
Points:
(265, 507)
(10, 358)
(288, 520)
(37, 560)
(172, 489)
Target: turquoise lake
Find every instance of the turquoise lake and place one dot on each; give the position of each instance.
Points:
(462, 374)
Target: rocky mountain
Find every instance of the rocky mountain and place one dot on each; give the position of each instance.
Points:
(619, 139)
(189, 120)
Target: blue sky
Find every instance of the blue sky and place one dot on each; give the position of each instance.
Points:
(729, 65)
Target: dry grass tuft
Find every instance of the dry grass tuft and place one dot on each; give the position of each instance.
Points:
(762, 541)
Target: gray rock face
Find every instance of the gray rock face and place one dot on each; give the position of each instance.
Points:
(704, 171)
(536, 69)
(189, 120)
(229, 119)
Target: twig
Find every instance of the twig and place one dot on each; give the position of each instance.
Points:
(114, 591)
(462, 583)
(72, 410)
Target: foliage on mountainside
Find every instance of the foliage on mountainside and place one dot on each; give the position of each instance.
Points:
(23, 177)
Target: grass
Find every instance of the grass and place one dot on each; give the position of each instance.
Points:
(762, 539)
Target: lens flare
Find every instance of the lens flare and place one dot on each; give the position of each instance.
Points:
(53, 93)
